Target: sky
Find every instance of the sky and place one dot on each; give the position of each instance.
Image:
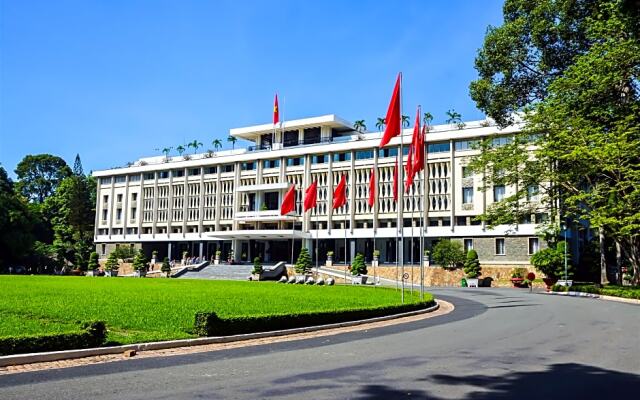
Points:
(114, 80)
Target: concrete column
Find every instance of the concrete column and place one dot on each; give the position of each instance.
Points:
(218, 209)
(185, 202)
(169, 251)
(376, 206)
(96, 225)
(139, 206)
(201, 203)
(352, 192)
(200, 249)
(155, 204)
(236, 197)
(125, 207)
(452, 186)
(306, 182)
(235, 246)
(330, 190)
(111, 205)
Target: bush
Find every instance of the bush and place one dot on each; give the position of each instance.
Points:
(358, 266)
(92, 334)
(139, 261)
(448, 254)
(257, 266)
(303, 265)
(519, 273)
(166, 266)
(210, 324)
(93, 261)
(628, 292)
(124, 252)
(472, 265)
(112, 263)
(550, 261)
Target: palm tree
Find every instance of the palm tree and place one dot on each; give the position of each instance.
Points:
(180, 149)
(233, 141)
(166, 151)
(405, 121)
(380, 124)
(455, 118)
(217, 143)
(195, 144)
(428, 117)
(359, 125)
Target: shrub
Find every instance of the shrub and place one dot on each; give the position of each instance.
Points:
(124, 252)
(519, 273)
(257, 266)
(472, 265)
(550, 261)
(92, 334)
(93, 261)
(358, 266)
(166, 266)
(303, 265)
(112, 263)
(448, 254)
(329, 253)
(376, 253)
(139, 261)
(218, 253)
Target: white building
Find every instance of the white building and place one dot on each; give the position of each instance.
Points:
(230, 199)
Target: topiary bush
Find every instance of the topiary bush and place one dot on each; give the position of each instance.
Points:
(358, 266)
(93, 261)
(112, 263)
(472, 267)
(303, 265)
(257, 266)
(166, 266)
(139, 261)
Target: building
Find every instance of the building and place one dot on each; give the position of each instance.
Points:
(229, 200)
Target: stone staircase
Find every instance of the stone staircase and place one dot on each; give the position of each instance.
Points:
(221, 271)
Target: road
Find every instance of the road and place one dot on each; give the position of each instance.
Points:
(496, 344)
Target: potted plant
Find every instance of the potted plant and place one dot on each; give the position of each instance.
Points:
(303, 264)
(376, 257)
(93, 264)
(550, 262)
(166, 267)
(154, 257)
(359, 270)
(140, 264)
(329, 258)
(472, 268)
(427, 257)
(257, 268)
(243, 257)
(517, 277)
(216, 261)
(230, 259)
(112, 265)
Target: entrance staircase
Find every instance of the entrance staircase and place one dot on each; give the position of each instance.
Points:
(236, 272)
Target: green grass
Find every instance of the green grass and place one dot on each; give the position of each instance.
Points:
(141, 310)
(629, 292)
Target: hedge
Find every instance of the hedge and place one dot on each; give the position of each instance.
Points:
(628, 292)
(210, 324)
(93, 334)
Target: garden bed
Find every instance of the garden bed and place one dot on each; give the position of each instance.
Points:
(627, 292)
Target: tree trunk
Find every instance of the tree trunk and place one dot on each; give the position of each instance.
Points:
(619, 262)
(604, 280)
(632, 251)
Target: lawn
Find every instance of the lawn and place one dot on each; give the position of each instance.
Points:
(141, 310)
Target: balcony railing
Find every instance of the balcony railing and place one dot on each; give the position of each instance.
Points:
(292, 143)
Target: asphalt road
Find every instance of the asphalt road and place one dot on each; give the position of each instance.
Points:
(496, 344)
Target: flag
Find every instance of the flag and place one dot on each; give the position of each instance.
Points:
(395, 182)
(393, 118)
(311, 196)
(276, 111)
(372, 188)
(340, 194)
(418, 161)
(289, 202)
(413, 153)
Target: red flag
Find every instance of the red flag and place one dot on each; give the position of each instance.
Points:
(372, 188)
(413, 151)
(289, 201)
(395, 182)
(311, 195)
(418, 161)
(393, 118)
(276, 111)
(340, 194)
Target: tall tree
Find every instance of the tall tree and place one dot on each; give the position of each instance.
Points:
(217, 143)
(380, 123)
(39, 176)
(359, 125)
(232, 140)
(77, 166)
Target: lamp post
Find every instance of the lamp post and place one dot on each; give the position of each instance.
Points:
(564, 229)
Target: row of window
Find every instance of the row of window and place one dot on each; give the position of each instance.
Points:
(500, 246)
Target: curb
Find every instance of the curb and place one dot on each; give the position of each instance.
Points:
(594, 296)
(30, 358)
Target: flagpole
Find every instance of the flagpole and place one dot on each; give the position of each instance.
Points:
(317, 249)
(401, 198)
(423, 210)
(293, 243)
(345, 246)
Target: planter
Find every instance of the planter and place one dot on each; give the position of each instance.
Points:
(517, 282)
(567, 283)
(140, 274)
(112, 273)
(549, 282)
(216, 261)
(359, 280)
(329, 262)
(472, 282)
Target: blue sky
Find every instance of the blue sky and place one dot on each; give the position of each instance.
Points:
(113, 80)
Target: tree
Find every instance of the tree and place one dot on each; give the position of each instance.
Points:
(359, 125)
(257, 266)
(550, 261)
(195, 144)
(455, 118)
(112, 263)
(303, 264)
(232, 140)
(77, 166)
(472, 265)
(448, 254)
(217, 143)
(380, 123)
(93, 261)
(405, 121)
(572, 69)
(40, 175)
(166, 266)
(166, 152)
(180, 149)
(139, 261)
(358, 266)
(427, 119)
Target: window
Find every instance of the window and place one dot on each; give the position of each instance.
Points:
(345, 156)
(134, 196)
(541, 217)
(104, 215)
(534, 245)
(103, 249)
(248, 166)
(177, 173)
(163, 174)
(227, 168)
(446, 221)
(467, 195)
(295, 161)
(121, 179)
(119, 214)
(438, 147)
(466, 172)
(364, 154)
(211, 170)
(105, 181)
(461, 221)
(319, 159)
(500, 247)
(532, 192)
(134, 178)
(393, 152)
(134, 210)
(194, 171)
(501, 141)
(498, 193)
(119, 197)
(468, 245)
(464, 145)
(405, 150)
(271, 163)
(149, 176)
(105, 199)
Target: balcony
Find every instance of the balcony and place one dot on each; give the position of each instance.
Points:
(291, 143)
(261, 216)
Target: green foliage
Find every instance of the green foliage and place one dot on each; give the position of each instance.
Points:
(139, 261)
(359, 125)
(550, 261)
(166, 266)
(519, 273)
(84, 336)
(627, 292)
(124, 252)
(257, 266)
(112, 263)
(303, 264)
(40, 175)
(358, 266)
(93, 261)
(448, 254)
(137, 310)
(472, 265)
